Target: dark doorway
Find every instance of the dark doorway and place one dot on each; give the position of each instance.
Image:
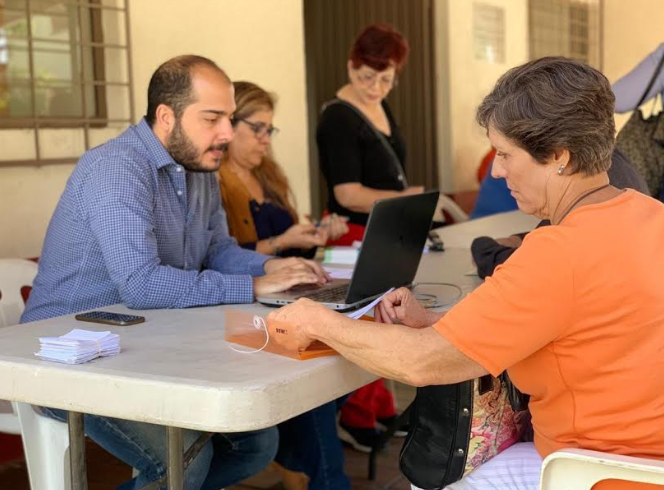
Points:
(330, 28)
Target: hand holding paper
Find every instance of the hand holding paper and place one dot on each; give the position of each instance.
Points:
(365, 309)
(290, 325)
(401, 306)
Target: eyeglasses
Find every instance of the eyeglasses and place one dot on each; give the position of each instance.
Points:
(259, 129)
(369, 79)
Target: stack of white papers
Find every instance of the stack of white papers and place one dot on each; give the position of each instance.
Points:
(79, 346)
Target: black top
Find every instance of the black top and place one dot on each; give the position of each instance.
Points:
(349, 151)
(272, 220)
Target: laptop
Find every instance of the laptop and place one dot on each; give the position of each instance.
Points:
(391, 251)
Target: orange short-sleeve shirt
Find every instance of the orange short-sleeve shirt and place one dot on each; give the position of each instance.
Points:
(576, 315)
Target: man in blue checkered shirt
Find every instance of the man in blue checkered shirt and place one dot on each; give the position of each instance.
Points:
(140, 222)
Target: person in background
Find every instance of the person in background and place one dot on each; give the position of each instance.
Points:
(140, 222)
(362, 155)
(641, 138)
(629, 88)
(493, 196)
(255, 191)
(261, 216)
(575, 316)
(361, 150)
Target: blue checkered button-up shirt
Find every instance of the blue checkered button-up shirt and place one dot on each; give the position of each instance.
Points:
(134, 227)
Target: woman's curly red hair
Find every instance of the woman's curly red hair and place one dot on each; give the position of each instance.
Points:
(379, 46)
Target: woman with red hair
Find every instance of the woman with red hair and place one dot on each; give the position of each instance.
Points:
(360, 148)
(362, 153)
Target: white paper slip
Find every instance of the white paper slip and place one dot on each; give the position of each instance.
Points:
(79, 346)
(339, 273)
(341, 255)
(358, 313)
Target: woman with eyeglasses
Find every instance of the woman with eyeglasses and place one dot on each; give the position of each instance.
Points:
(361, 150)
(261, 216)
(255, 191)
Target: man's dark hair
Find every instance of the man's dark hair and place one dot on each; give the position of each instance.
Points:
(555, 103)
(171, 84)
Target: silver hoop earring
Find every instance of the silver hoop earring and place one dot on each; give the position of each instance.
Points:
(561, 169)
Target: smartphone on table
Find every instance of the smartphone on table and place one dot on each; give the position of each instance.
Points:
(108, 318)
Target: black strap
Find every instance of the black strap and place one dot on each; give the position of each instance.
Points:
(652, 81)
(381, 137)
(581, 198)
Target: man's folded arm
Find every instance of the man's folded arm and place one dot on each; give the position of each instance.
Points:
(224, 254)
(119, 204)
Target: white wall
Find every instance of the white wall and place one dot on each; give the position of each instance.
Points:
(257, 40)
(262, 41)
(629, 34)
(469, 81)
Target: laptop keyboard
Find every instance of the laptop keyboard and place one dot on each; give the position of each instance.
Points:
(336, 294)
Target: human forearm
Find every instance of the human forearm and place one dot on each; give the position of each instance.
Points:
(159, 286)
(230, 258)
(269, 246)
(225, 255)
(418, 357)
(360, 199)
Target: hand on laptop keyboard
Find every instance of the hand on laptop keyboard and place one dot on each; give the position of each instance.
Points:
(283, 274)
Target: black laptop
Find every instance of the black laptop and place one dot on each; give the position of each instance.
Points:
(390, 254)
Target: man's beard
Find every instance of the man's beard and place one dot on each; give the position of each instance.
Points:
(183, 151)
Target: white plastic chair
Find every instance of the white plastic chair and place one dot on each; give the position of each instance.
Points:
(580, 469)
(447, 204)
(14, 275)
(45, 441)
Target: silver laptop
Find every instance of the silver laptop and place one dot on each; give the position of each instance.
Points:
(391, 251)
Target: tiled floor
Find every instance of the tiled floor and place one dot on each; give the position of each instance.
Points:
(387, 472)
(105, 472)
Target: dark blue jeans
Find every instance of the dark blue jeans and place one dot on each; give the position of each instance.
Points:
(225, 460)
(309, 443)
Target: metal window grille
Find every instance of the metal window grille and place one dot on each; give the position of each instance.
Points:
(65, 77)
(569, 28)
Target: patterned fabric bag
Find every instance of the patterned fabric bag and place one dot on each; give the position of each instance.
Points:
(642, 141)
(455, 428)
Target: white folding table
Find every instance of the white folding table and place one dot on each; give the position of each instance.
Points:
(177, 370)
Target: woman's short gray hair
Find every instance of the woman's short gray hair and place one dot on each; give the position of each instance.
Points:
(555, 103)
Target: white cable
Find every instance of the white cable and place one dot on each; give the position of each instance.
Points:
(258, 323)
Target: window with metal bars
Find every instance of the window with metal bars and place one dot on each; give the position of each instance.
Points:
(569, 28)
(65, 73)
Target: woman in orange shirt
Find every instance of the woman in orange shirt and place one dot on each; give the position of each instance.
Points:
(575, 315)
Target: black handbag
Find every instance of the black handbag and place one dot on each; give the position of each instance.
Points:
(642, 140)
(438, 450)
(434, 453)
